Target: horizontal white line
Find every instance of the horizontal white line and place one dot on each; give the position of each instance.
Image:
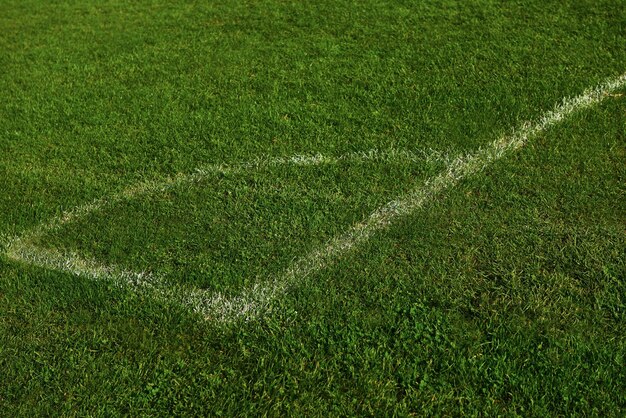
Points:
(80, 266)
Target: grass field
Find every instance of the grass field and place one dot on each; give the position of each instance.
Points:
(313, 208)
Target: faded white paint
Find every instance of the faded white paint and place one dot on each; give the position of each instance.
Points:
(250, 302)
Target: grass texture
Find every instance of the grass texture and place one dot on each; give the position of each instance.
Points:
(505, 295)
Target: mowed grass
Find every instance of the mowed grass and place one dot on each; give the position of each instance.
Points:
(504, 295)
(229, 229)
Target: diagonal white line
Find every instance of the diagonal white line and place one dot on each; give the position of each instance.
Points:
(392, 155)
(24, 249)
(256, 298)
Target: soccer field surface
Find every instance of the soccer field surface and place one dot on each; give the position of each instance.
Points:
(267, 207)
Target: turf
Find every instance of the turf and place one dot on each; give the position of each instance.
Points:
(505, 295)
(236, 228)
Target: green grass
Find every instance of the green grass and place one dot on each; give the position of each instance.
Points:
(505, 295)
(236, 227)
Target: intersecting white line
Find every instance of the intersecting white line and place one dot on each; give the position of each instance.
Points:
(253, 300)
(24, 249)
(256, 298)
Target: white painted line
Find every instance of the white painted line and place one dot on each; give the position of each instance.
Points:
(24, 249)
(255, 299)
(392, 155)
(80, 266)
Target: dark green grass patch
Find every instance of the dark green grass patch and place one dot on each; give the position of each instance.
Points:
(519, 274)
(505, 296)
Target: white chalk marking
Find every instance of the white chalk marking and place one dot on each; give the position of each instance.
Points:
(256, 298)
(392, 155)
(24, 248)
(80, 266)
(253, 300)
